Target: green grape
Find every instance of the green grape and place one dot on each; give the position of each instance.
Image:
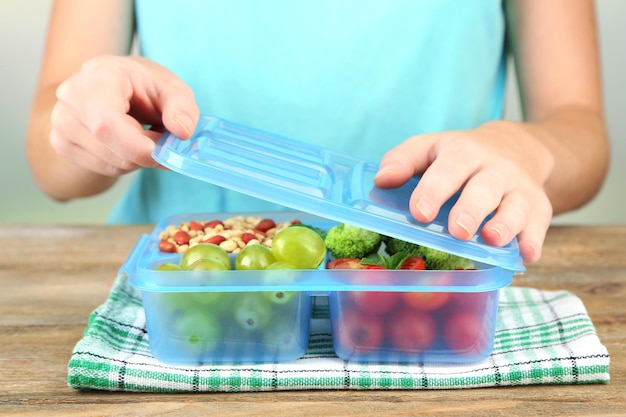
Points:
(175, 302)
(252, 311)
(198, 331)
(204, 251)
(272, 275)
(207, 264)
(280, 266)
(215, 300)
(300, 246)
(254, 257)
(168, 267)
(280, 297)
(281, 331)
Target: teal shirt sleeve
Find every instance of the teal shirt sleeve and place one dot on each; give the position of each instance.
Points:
(355, 76)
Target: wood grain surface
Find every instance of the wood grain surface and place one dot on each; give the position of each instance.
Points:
(52, 277)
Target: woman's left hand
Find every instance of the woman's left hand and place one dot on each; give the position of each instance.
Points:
(501, 167)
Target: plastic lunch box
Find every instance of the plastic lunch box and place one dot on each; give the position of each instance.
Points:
(192, 316)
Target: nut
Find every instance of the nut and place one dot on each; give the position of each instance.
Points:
(265, 225)
(165, 246)
(233, 234)
(215, 239)
(181, 237)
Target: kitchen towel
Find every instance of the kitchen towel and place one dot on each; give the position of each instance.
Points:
(542, 337)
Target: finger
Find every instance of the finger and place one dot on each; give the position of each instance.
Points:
(71, 139)
(402, 162)
(447, 174)
(101, 105)
(104, 92)
(125, 137)
(180, 111)
(481, 195)
(83, 158)
(163, 97)
(532, 237)
(516, 217)
(509, 219)
(442, 173)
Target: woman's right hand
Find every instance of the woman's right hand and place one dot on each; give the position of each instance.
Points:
(109, 114)
(94, 99)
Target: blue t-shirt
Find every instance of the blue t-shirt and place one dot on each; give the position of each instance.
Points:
(355, 76)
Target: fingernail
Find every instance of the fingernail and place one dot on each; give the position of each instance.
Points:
(529, 252)
(497, 230)
(466, 223)
(386, 169)
(425, 209)
(184, 122)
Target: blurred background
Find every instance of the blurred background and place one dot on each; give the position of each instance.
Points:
(23, 30)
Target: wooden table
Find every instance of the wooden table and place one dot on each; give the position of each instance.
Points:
(52, 277)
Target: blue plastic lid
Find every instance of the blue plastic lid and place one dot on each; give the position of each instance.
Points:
(316, 180)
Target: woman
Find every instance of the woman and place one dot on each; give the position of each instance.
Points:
(416, 85)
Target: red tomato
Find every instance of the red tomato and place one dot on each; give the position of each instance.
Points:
(410, 330)
(374, 303)
(345, 263)
(356, 331)
(414, 263)
(425, 301)
(473, 302)
(464, 333)
(373, 267)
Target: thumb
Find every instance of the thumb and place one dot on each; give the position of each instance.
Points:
(180, 111)
(171, 95)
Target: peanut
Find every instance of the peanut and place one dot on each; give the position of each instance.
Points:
(232, 234)
(165, 246)
(215, 239)
(181, 237)
(265, 225)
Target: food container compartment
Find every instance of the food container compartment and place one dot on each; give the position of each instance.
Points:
(199, 317)
(417, 329)
(217, 316)
(423, 316)
(224, 327)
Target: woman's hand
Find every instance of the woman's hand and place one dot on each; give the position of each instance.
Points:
(500, 167)
(93, 101)
(99, 118)
(522, 172)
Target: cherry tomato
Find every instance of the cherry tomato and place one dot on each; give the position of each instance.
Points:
(373, 267)
(374, 303)
(473, 302)
(410, 330)
(414, 263)
(359, 332)
(463, 333)
(425, 301)
(345, 263)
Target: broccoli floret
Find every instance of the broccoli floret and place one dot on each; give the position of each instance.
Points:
(393, 246)
(347, 241)
(436, 259)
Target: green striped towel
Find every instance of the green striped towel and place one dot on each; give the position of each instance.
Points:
(542, 337)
